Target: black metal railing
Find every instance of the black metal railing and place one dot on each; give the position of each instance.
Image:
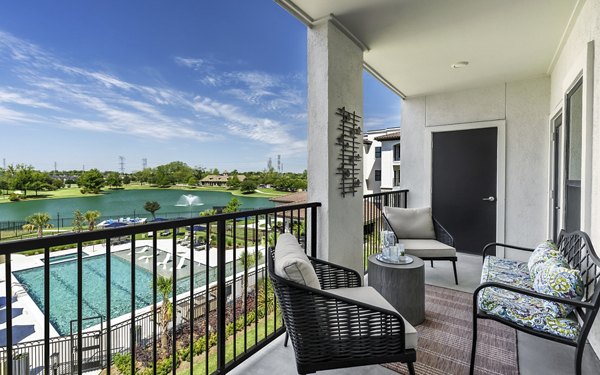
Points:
(222, 311)
(373, 220)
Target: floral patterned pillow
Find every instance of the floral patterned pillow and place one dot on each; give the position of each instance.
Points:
(543, 253)
(559, 281)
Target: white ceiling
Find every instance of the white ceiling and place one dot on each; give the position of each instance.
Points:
(413, 43)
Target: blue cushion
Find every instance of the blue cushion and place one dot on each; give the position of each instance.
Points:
(559, 281)
(543, 253)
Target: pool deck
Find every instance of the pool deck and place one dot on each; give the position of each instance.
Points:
(28, 319)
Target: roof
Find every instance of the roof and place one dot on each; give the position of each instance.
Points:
(221, 178)
(389, 137)
(293, 198)
(367, 141)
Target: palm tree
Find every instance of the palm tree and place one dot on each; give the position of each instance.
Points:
(208, 212)
(39, 221)
(78, 221)
(247, 261)
(165, 287)
(91, 217)
(152, 207)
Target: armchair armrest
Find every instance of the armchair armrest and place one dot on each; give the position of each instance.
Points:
(531, 293)
(487, 247)
(333, 276)
(441, 234)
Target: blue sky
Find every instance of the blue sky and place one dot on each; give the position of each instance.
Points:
(216, 84)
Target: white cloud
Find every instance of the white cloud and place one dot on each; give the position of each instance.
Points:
(190, 63)
(252, 105)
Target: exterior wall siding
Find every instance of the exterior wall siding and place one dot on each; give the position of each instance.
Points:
(581, 55)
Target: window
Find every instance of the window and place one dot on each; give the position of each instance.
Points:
(397, 152)
(377, 175)
(396, 177)
(377, 152)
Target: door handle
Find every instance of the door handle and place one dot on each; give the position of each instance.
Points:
(489, 199)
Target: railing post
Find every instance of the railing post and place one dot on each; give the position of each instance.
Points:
(9, 312)
(313, 232)
(221, 297)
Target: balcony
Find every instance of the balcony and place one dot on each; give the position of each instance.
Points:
(226, 300)
(55, 318)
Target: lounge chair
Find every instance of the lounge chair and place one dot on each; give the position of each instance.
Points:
(146, 258)
(164, 262)
(180, 264)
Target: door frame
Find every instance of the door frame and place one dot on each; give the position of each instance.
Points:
(556, 162)
(500, 167)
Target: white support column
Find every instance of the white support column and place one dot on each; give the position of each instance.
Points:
(334, 81)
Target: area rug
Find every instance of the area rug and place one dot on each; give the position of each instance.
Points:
(444, 343)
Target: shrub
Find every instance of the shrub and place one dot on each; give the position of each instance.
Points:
(14, 197)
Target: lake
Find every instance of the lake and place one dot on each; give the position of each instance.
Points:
(126, 203)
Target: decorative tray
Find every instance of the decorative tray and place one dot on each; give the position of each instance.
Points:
(381, 258)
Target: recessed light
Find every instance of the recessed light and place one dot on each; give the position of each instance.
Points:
(460, 64)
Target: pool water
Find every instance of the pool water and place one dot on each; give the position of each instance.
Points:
(61, 258)
(63, 289)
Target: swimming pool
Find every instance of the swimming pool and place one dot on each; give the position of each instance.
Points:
(61, 258)
(63, 288)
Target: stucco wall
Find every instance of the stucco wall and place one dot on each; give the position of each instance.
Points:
(334, 81)
(524, 107)
(576, 57)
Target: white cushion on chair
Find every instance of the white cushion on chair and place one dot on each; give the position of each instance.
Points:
(368, 295)
(427, 248)
(292, 263)
(410, 222)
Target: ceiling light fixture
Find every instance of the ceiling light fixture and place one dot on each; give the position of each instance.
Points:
(460, 64)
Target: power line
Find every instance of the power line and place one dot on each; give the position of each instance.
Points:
(122, 164)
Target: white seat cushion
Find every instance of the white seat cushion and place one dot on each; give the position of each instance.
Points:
(292, 263)
(427, 248)
(368, 295)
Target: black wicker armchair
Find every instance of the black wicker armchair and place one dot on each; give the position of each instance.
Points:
(576, 248)
(424, 248)
(330, 329)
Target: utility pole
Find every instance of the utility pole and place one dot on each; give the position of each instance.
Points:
(4, 163)
(144, 163)
(55, 170)
(122, 164)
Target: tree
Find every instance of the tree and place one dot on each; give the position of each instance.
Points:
(233, 206)
(192, 181)
(126, 179)
(208, 212)
(113, 179)
(78, 221)
(152, 207)
(39, 221)
(91, 217)
(247, 261)
(233, 182)
(165, 287)
(91, 181)
(248, 186)
(22, 177)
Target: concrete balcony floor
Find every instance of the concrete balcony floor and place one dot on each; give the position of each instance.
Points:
(536, 356)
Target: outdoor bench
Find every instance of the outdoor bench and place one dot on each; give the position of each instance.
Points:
(555, 295)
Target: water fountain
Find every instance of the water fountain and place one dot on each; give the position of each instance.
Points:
(189, 200)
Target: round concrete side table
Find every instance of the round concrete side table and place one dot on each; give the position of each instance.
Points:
(402, 285)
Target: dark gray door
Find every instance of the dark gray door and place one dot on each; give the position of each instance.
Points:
(464, 186)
